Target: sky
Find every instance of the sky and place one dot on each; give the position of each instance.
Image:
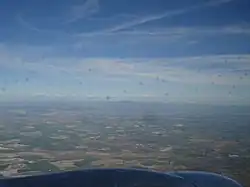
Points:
(195, 51)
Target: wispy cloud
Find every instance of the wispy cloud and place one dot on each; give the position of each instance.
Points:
(90, 7)
(21, 20)
(169, 37)
(26, 24)
(166, 14)
(191, 70)
(75, 13)
(170, 32)
(84, 10)
(176, 31)
(142, 78)
(125, 28)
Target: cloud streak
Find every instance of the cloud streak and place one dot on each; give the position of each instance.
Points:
(151, 32)
(176, 31)
(90, 7)
(78, 12)
(190, 70)
(26, 24)
(167, 14)
(77, 77)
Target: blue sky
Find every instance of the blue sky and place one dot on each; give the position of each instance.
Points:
(147, 50)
